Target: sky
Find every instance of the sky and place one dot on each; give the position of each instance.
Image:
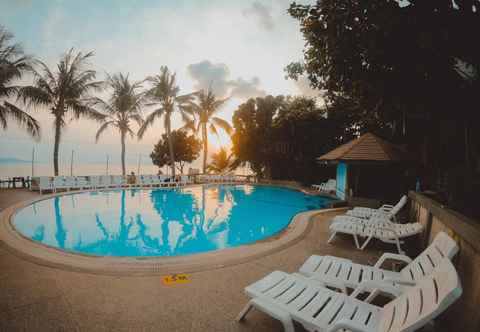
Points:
(239, 48)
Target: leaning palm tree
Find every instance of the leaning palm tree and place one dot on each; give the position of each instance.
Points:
(205, 109)
(164, 95)
(13, 64)
(63, 92)
(123, 107)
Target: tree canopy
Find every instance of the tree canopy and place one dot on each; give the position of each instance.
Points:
(186, 149)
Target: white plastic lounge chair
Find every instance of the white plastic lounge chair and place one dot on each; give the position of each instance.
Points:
(106, 181)
(381, 229)
(59, 182)
(81, 182)
(94, 181)
(45, 184)
(291, 297)
(386, 210)
(342, 273)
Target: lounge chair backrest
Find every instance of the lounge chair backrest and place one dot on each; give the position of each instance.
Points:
(105, 180)
(443, 246)
(94, 180)
(423, 302)
(401, 203)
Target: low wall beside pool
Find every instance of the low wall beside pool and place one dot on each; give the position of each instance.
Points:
(463, 315)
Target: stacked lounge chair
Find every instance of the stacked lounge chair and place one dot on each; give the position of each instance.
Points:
(432, 287)
(379, 226)
(330, 185)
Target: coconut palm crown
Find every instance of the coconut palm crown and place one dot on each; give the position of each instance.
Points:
(164, 95)
(64, 92)
(123, 108)
(13, 64)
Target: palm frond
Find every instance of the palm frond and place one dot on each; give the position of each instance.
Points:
(34, 96)
(22, 118)
(149, 120)
(222, 124)
(102, 128)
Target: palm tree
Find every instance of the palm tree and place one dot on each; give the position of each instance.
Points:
(63, 92)
(13, 64)
(205, 109)
(123, 107)
(221, 162)
(164, 95)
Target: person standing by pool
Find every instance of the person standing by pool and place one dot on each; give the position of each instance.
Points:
(131, 179)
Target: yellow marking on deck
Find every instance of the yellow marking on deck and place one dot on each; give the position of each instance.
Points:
(176, 279)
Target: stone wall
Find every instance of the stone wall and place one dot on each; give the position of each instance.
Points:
(464, 314)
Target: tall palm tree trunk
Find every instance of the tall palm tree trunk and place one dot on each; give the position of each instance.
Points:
(122, 138)
(205, 147)
(170, 146)
(58, 128)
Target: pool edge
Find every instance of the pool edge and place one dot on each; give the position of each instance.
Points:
(44, 255)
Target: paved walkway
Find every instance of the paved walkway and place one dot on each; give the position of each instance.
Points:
(37, 298)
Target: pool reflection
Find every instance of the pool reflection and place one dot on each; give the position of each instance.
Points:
(162, 222)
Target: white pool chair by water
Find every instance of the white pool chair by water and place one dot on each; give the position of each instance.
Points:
(45, 184)
(184, 180)
(106, 181)
(292, 297)
(386, 210)
(94, 181)
(382, 230)
(143, 180)
(81, 182)
(59, 182)
(342, 273)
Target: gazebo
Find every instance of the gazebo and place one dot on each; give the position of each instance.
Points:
(368, 167)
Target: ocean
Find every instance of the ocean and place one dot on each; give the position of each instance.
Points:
(25, 169)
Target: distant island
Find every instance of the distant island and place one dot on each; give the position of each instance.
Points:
(13, 161)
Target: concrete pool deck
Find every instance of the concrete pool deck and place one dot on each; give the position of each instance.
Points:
(39, 298)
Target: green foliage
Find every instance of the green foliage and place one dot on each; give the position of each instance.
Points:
(408, 73)
(186, 149)
(281, 137)
(13, 64)
(252, 138)
(221, 162)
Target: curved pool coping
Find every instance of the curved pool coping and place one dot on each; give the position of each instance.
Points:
(49, 256)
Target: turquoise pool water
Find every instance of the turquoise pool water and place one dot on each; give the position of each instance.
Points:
(163, 222)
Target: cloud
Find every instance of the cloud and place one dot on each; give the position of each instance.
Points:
(243, 89)
(261, 14)
(215, 76)
(210, 76)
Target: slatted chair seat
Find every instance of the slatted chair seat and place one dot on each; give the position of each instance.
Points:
(379, 229)
(342, 273)
(291, 297)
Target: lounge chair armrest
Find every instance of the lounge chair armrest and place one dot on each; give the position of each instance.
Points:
(386, 207)
(387, 255)
(374, 288)
(346, 324)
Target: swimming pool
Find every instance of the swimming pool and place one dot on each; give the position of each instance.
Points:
(162, 222)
